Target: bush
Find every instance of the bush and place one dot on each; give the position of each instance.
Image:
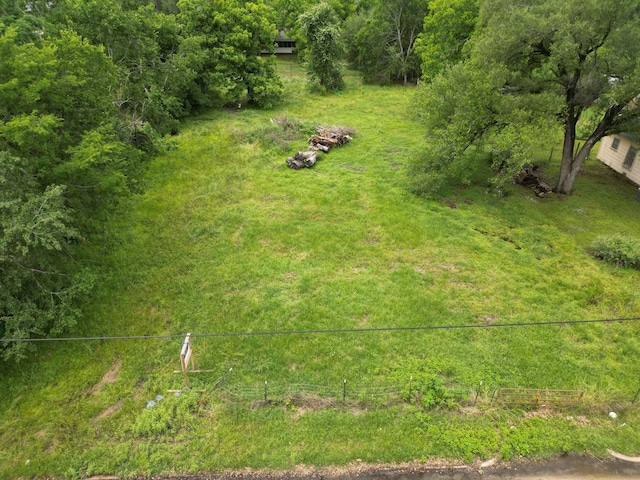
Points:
(622, 250)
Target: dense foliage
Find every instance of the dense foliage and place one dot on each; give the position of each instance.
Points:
(226, 40)
(533, 70)
(320, 27)
(381, 42)
(447, 28)
(86, 90)
(621, 250)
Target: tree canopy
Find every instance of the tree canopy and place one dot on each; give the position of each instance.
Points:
(227, 39)
(319, 25)
(447, 28)
(533, 68)
(87, 88)
(381, 41)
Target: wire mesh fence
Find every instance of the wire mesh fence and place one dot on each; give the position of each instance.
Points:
(346, 391)
(427, 391)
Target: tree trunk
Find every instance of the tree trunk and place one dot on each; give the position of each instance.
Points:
(571, 163)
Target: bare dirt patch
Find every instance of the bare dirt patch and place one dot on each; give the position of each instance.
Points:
(579, 420)
(542, 412)
(364, 320)
(110, 377)
(302, 404)
(290, 276)
(107, 412)
(489, 318)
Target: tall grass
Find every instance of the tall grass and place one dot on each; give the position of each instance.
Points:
(227, 239)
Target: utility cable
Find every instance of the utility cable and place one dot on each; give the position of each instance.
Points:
(322, 331)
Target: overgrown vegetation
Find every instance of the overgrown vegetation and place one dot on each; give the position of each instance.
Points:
(319, 24)
(623, 251)
(381, 41)
(513, 87)
(226, 238)
(87, 91)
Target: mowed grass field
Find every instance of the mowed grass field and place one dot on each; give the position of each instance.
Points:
(228, 239)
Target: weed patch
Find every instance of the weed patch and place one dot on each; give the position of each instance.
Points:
(280, 133)
(622, 251)
(170, 415)
(227, 240)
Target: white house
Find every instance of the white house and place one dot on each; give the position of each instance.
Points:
(620, 152)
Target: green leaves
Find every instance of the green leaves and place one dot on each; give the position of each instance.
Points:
(36, 293)
(529, 70)
(61, 166)
(319, 26)
(621, 250)
(447, 29)
(228, 38)
(383, 45)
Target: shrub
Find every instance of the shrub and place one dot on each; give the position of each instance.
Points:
(624, 251)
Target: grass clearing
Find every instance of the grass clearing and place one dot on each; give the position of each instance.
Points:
(228, 239)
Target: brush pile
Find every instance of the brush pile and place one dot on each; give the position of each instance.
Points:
(323, 141)
(531, 176)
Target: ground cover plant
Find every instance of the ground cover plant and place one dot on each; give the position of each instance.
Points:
(228, 239)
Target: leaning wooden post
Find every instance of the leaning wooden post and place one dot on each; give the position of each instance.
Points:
(185, 356)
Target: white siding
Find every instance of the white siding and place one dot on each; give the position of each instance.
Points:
(615, 157)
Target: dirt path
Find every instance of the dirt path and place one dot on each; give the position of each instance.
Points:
(568, 467)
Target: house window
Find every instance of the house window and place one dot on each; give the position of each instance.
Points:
(615, 143)
(631, 156)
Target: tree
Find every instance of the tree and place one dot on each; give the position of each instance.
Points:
(143, 44)
(406, 19)
(366, 37)
(28, 27)
(227, 40)
(319, 25)
(37, 286)
(57, 113)
(534, 67)
(286, 12)
(61, 166)
(383, 48)
(447, 29)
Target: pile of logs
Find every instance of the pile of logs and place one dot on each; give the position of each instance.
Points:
(323, 141)
(531, 176)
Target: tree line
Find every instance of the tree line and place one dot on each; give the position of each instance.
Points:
(88, 89)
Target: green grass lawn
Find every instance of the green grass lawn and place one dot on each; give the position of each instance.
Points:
(228, 239)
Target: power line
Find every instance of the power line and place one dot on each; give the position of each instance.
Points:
(321, 331)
